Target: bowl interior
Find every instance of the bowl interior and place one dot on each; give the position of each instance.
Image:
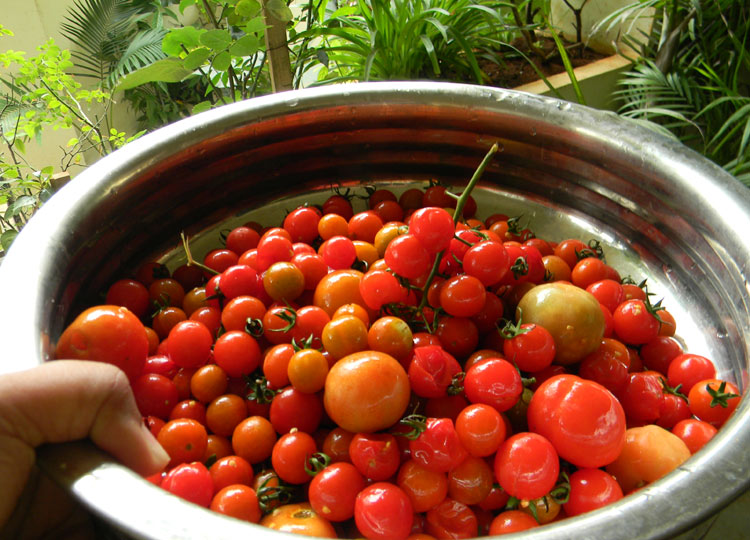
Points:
(661, 211)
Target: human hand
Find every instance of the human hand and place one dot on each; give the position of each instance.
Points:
(67, 400)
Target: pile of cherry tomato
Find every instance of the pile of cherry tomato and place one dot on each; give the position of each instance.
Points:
(403, 372)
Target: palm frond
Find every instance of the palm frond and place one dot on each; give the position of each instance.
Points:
(98, 28)
(144, 49)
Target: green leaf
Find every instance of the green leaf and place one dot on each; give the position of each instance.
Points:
(19, 205)
(6, 239)
(222, 61)
(166, 70)
(245, 46)
(218, 40)
(202, 107)
(184, 4)
(177, 38)
(255, 25)
(48, 170)
(279, 10)
(196, 58)
(247, 8)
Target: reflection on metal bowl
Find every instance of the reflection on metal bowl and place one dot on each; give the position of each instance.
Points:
(662, 210)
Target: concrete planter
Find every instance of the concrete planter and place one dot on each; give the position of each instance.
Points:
(598, 81)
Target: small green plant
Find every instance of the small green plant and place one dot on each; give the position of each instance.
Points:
(399, 39)
(693, 81)
(225, 50)
(41, 95)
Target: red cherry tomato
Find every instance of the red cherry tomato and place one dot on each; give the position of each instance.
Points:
(438, 447)
(582, 419)
(591, 489)
(109, 334)
(192, 482)
(527, 466)
(495, 382)
(333, 491)
(383, 511)
(431, 371)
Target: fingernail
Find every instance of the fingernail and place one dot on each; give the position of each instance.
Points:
(158, 454)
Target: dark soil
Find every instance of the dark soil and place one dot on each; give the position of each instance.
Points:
(515, 70)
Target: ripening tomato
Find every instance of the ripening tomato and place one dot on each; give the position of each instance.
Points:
(480, 429)
(570, 314)
(462, 296)
(231, 470)
(366, 391)
(299, 518)
(649, 453)
(184, 440)
(470, 481)
(109, 334)
(425, 488)
(582, 419)
(338, 288)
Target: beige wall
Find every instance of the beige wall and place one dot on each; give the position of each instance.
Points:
(594, 11)
(33, 22)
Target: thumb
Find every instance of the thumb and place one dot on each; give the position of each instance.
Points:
(67, 400)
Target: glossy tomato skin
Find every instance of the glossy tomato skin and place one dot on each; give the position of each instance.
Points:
(333, 491)
(582, 419)
(570, 314)
(375, 455)
(591, 489)
(713, 400)
(494, 382)
(527, 466)
(665, 451)
(366, 391)
(451, 519)
(383, 511)
(299, 518)
(438, 448)
(532, 350)
(109, 334)
(192, 482)
(431, 371)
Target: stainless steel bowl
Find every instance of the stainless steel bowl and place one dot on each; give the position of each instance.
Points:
(664, 212)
